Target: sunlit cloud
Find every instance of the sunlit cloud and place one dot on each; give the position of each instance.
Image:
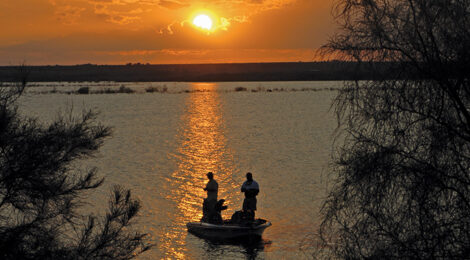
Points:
(107, 2)
(168, 29)
(171, 56)
(220, 23)
(123, 12)
(162, 56)
(75, 31)
(145, 53)
(118, 17)
(122, 19)
(212, 56)
(172, 4)
(260, 5)
(68, 14)
(241, 14)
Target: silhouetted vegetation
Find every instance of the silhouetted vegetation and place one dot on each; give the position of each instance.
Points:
(164, 89)
(403, 173)
(124, 89)
(40, 190)
(86, 90)
(238, 89)
(82, 90)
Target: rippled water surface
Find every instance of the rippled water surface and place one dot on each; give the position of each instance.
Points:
(163, 144)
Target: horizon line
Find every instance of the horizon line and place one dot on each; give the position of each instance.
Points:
(173, 64)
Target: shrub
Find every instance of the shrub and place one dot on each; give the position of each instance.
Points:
(151, 89)
(238, 89)
(124, 89)
(403, 175)
(83, 90)
(40, 190)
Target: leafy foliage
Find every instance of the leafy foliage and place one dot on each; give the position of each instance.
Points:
(40, 190)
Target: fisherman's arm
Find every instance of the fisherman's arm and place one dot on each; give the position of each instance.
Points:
(243, 187)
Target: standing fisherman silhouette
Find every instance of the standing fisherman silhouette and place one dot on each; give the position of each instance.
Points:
(212, 187)
(242, 224)
(211, 208)
(251, 189)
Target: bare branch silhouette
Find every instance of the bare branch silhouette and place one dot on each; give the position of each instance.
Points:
(403, 173)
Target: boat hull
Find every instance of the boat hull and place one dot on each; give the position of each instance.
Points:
(226, 231)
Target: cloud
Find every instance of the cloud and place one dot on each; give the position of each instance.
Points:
(122, 19)
(117, 17)
(259, 5)
(123, 12)
(221, 23)
(168, 29)
(68, 14)
(173, 4)
(241, 11)
(224, 23)
(159, 56)
(249, 24)
(166, 52)
(114, 2)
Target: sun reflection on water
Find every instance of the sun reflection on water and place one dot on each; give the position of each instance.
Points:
(202, 148)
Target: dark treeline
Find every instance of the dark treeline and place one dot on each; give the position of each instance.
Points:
(298, 71)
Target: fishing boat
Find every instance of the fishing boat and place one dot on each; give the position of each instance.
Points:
(228, 230)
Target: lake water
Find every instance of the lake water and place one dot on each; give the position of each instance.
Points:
(164, 143)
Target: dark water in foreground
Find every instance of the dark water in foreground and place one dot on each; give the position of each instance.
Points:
(164, 143)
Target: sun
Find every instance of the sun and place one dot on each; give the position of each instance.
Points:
(203, 21)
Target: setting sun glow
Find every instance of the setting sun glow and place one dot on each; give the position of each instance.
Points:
(203, 21)
(69, 32)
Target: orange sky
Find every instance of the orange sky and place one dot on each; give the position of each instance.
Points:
(160, 31)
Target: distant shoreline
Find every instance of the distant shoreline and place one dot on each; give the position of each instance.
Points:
(229, 72)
